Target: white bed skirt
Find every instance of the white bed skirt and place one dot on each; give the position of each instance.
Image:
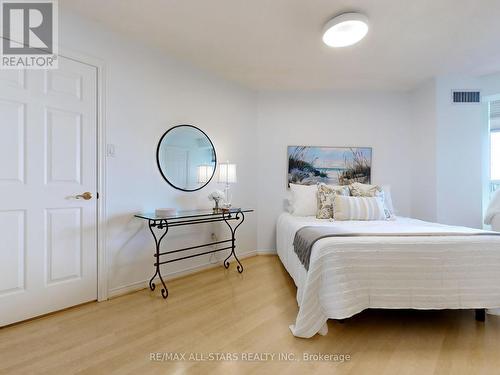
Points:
(350, 274)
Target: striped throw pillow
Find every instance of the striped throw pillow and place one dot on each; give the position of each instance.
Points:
(358, 208)
(364, 190)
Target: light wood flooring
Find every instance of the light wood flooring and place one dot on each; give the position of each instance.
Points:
(221, 311)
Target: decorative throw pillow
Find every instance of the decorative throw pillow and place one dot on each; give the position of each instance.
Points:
(365, 190)
(358, 208)
(326, 193)
(304, 200)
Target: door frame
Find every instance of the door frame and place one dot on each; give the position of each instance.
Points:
(102, 259)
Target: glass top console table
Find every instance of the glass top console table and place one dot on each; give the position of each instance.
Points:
(159, 226)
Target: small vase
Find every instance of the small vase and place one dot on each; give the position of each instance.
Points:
(216, 208)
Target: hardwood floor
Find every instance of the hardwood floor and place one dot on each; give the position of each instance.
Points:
(221, 311)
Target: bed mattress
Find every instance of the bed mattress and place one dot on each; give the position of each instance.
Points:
(349, 274)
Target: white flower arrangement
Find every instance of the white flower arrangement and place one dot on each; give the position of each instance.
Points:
(216, 196)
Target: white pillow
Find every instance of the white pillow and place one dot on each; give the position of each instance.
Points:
(304, 200)
(358, 208)
(493, 208)
(388, 199)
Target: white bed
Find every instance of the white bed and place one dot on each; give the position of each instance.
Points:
(349, 274)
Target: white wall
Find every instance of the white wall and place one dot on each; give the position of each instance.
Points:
(490, 85)
(459, 158)
(450, 143)
(146, 94)
(423, 142)
(378, 120)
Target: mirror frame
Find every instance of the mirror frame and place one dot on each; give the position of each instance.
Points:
(158, 157)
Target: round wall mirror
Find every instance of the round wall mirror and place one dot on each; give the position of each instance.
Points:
(186, 157)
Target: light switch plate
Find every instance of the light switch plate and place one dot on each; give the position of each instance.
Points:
(110, 150)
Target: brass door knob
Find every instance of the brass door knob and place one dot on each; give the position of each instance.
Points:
(87, 195)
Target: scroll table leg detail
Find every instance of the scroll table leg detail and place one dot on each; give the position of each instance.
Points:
(162, 224)
(240, 216)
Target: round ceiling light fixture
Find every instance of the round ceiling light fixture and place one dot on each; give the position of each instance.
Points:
(345, 30)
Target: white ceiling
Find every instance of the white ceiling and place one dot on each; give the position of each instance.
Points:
(276, 44)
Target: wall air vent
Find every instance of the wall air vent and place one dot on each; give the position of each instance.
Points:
(466, 96)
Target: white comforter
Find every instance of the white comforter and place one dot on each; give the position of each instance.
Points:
(349, 274)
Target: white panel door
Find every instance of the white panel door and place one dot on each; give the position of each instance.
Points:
(48, 238)
(176, 161)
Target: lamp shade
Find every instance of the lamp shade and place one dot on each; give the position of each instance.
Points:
(227, 173)
(204, 173)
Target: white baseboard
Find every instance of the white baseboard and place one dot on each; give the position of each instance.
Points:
(139, 285)
(266, 252)
(128, 288)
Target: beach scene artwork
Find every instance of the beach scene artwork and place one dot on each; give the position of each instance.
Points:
(308, 165)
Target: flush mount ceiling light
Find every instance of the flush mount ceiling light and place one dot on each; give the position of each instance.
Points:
(345, 30)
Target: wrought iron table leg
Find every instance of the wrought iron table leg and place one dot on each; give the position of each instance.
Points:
(162, 224)
(226, 218)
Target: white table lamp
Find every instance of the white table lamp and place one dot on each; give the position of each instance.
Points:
(227, 175)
